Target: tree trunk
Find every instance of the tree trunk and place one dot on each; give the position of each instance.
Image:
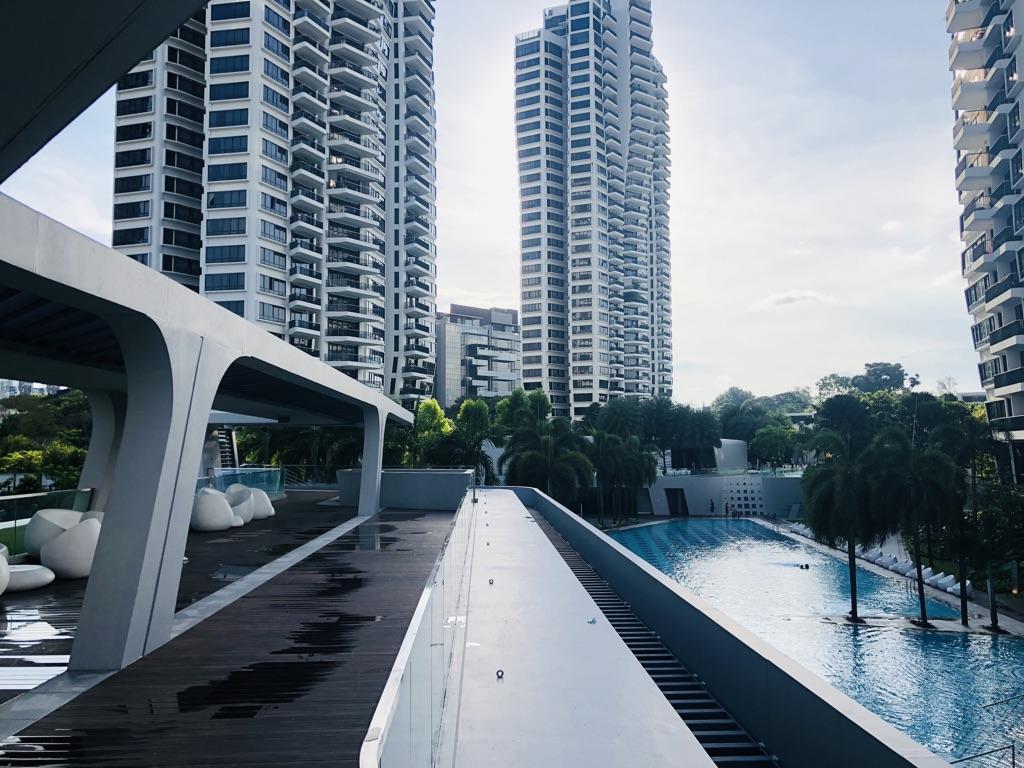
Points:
(600, 505)
(920, 577)
(993, 614)
(851, 555)
(928, 543)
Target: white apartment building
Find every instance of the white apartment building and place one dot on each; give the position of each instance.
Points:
(592, 144)
(987, 135)
(279, 157)
(478, 353)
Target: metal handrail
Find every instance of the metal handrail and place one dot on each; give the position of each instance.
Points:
(1013, 755)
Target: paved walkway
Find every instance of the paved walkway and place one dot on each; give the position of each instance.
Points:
(572, 694)
(288, 674)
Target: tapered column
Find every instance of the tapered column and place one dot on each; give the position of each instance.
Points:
(108, 410)
(172, 377)
(374, 420)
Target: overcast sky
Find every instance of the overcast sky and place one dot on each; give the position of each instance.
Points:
(814, 220)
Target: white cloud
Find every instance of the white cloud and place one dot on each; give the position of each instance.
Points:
(789, 298)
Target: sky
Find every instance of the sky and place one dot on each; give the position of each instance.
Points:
(814, 218)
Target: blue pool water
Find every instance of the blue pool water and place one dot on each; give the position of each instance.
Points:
(931, 685)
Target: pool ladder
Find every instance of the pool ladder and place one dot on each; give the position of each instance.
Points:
(725, 741)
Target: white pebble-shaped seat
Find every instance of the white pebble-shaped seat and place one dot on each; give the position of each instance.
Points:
(241, 502)
(70, 555)
(5, 574)
(47, 524)
(93, 514)
(262, 508)
(211, 511)
(26, 577)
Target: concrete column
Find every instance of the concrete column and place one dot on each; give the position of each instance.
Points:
(108, 410)
(374, 420)
(172, 377)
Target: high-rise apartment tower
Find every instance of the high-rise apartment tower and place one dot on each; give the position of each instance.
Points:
(592, 147)
(987, 135)
(279, 157)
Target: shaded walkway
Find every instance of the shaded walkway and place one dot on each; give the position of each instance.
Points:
(290, 673)
(37, 628)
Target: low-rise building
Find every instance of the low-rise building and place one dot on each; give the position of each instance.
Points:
(478, 353)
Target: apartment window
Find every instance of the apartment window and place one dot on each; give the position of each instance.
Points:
(274, 259)
(184, 136)
(180, 264)
(273, 231)
(273, 204)
(276, 47)
(232, 226)
(131, 157)
(185, 59)
(127, 184)
(137, 210)
(228, 91)
(222, 38)
(231, 198)
(179, 212)
(237, 307)
(224, 145)
(274, 178)
(182, 239)
(225, 254)
(222, 64)
(133, 132)
(221, 118)
(276, 20)
(275, 125)
(135, 80)
(226, 281)
(275, 99)
(275, 151)
(135, 106)
(274, 72)
(185, 85)
(190, 36)
(227, 171)
(272, 285)
(185, 111)
(133, 236)
(225, 11)
(183, 161)
(183, 187)
(271, 313)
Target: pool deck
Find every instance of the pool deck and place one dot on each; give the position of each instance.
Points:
(572, 693)
(288, 673)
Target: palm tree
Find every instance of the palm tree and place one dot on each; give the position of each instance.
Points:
(621, 417)
(836, 499)
(917, 485)
(638, 469)
(702, 435)
(548, 455)
(605, 451)
(965, 441)
(662, 420)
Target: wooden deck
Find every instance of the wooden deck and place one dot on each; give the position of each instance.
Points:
(290, 674)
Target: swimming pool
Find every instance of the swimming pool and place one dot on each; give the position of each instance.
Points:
(931, 685)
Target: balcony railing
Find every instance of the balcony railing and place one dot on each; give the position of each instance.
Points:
(1009, 378)
(1008, 282)
(302, 269)
(307, 324)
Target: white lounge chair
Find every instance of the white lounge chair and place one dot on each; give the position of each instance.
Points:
(910, 570)
(926, 573)
(872, 555)
(955, 589)
(886, 560)
(945, 583)
(70, 555)
(932, 580)
(211, 512)
(48, 524)
(858, 551)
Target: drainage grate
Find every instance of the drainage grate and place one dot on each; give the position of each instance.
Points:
(722, 737)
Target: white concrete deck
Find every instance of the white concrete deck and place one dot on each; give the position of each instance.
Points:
(572, 694)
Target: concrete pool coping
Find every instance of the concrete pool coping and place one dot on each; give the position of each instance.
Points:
(1011, 625)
